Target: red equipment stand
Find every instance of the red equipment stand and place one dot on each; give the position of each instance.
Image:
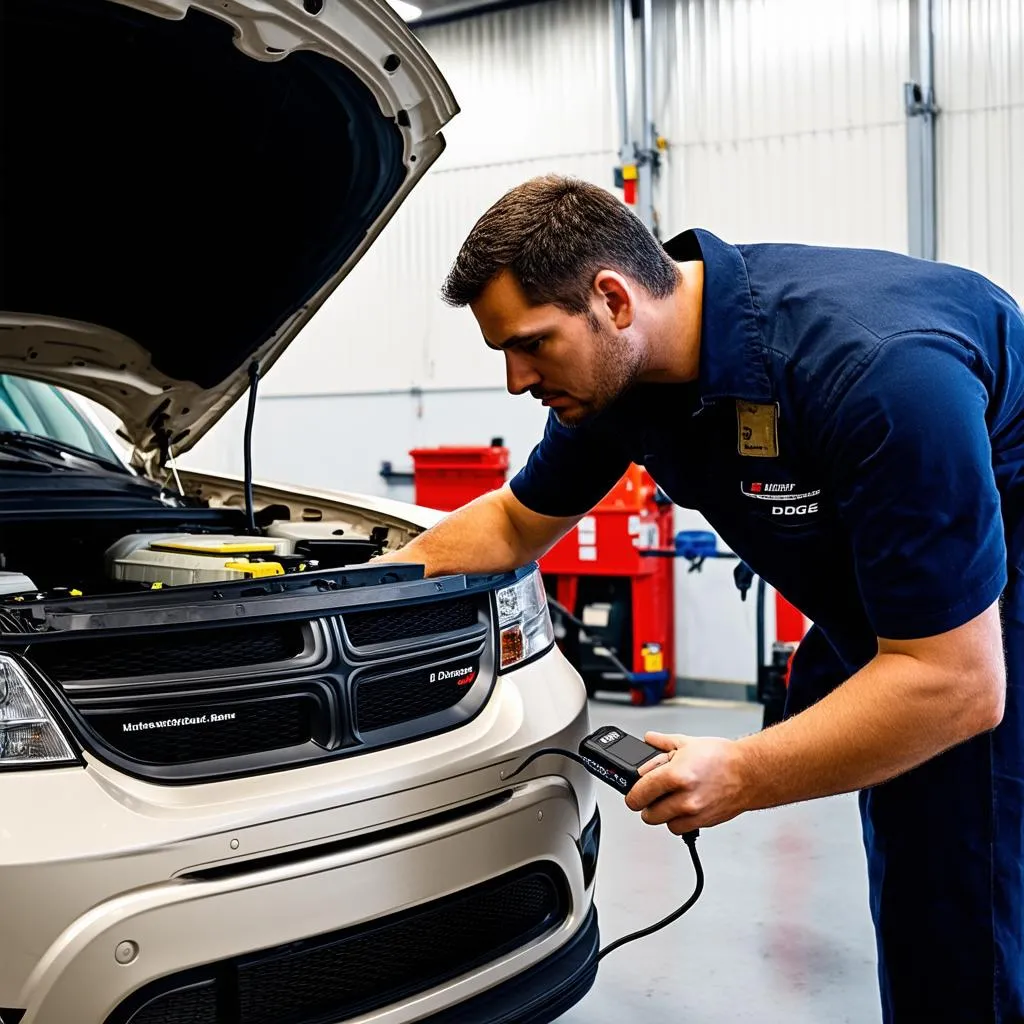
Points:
(599, 572)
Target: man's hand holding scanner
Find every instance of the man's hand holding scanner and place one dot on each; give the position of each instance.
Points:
(697, 782)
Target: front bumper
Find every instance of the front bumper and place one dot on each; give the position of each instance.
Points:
(541, 994)
(113, 884)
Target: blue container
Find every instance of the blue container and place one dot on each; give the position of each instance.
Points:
(693, 544)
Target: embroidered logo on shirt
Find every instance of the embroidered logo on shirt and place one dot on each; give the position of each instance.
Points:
(795, 510)
(786, 500)
(758, 430)
(776, 492)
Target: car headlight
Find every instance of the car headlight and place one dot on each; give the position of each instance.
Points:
(524, 622)
(28, 733)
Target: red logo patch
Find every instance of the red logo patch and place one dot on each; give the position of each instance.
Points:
(755, 488)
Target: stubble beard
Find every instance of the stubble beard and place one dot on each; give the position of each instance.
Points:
(617, 367)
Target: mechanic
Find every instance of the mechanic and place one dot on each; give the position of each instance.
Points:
(849, 422)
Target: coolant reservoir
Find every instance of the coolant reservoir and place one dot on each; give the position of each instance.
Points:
(182, 559)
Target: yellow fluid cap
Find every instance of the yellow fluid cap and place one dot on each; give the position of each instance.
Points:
(256, 569)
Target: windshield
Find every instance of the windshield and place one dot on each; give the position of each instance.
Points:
(31, 407)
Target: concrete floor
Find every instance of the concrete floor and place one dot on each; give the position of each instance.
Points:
(782, 932)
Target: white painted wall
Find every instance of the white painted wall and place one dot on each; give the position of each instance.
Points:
(784, 121)
(340, 441)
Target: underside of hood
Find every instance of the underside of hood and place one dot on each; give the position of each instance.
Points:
(185, 184)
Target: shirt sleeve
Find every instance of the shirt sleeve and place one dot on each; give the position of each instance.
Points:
(569, 471)
(907, 450)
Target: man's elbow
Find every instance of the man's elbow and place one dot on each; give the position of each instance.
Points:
(987, 701)
(996, 702)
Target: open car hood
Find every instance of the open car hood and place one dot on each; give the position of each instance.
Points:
(187, 181)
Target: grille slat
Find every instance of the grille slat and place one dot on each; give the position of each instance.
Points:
(157, 653)
(244, 727)
(356, 971)
(197, 1005)
(387, 625)
(384, 702)
(398, 959)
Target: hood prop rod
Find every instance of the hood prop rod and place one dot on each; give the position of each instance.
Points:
(250, 415)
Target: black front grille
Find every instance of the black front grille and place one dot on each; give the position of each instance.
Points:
(201, 650)
(391, 701)
(342, 975)
(196, 1005)
(182, 735)
(387, 625)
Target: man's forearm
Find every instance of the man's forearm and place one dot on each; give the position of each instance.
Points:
(478, 538)
(893, 715)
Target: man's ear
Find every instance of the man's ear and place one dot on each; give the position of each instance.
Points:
(614, 295)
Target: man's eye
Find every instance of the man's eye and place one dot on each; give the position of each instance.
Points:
(530, 347)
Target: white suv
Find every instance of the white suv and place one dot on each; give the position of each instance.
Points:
(247, 775)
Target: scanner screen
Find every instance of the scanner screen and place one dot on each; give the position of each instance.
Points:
(631, 750)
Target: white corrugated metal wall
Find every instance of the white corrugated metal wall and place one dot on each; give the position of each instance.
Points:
(784, 120)
(979, 83)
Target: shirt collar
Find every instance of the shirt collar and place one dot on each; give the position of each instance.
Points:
(732, 359)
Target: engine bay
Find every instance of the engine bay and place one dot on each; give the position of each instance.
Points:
(109, 555)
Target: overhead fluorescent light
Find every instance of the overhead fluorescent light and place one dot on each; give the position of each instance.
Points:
(408, 12)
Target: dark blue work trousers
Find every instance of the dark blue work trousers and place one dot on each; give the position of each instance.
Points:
(945, 858)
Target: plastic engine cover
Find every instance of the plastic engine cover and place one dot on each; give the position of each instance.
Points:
(183, 559)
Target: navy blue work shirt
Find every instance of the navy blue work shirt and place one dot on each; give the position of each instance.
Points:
(854, 435)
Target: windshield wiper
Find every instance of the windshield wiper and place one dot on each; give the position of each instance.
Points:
(22, 439)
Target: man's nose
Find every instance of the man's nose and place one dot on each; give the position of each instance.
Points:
(519, 373)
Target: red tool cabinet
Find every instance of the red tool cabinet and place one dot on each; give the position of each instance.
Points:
(600, 574)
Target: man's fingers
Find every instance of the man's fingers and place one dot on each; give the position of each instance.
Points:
(643, 792)
(663, 811)
(662, 741)
(684, 823)
(652, 786)
(655, 762)
(668, 744)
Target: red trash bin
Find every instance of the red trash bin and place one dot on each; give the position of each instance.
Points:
(446, 478)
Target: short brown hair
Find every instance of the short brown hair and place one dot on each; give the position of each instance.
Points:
(555, 234)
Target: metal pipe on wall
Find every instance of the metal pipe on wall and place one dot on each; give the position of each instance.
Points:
(921, 110)
(648, 75)
(645, 183)
(638, 153)
(621, 79)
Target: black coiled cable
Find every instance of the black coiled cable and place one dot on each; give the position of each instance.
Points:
(690, 838)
